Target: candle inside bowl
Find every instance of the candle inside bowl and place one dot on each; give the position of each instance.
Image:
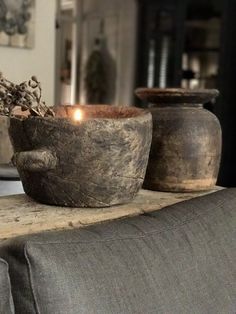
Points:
(78, 115)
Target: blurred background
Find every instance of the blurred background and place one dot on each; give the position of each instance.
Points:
(99, 51)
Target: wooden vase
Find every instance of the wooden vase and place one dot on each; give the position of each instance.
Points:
(96, 162)
(186, 144)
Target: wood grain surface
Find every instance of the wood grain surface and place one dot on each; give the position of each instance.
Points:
(20, 215)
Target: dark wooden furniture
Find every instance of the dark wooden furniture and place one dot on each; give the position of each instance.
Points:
(152, 30)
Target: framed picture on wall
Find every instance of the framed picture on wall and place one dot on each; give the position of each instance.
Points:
(17, 19)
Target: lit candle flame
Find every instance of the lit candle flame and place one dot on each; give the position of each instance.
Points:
(78, 115)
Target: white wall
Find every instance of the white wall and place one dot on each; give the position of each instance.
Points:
(19, 64)
(121, 37)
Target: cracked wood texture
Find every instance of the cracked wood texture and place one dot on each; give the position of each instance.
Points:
(20, 215)
(97, 162)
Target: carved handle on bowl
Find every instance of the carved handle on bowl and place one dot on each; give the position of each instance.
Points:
(35, 160)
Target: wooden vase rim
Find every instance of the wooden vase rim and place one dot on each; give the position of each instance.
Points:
(176, 95)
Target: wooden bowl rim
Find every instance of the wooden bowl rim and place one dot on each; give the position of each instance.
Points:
(120, 111)
(110, 112)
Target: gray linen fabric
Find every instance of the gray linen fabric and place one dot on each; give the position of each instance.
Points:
(178, 260)
(6, 303)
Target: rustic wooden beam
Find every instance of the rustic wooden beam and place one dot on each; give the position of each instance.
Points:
(20, 215)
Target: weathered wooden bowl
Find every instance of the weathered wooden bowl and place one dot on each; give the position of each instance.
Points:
(186, 143)
(96, 162)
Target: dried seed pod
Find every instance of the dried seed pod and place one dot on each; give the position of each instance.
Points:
(23, 87)
(32, 84)
(23, 94)
(34, 78)
(19, 102)
(8, 100)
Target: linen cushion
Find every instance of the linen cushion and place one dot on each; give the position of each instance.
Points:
(6, 303)
(181, 259)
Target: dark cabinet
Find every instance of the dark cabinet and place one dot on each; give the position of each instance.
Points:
(191, 43)
(160, 43)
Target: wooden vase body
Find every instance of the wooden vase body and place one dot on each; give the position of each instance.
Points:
(186, 144)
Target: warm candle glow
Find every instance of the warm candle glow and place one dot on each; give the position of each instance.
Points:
(78, 115)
